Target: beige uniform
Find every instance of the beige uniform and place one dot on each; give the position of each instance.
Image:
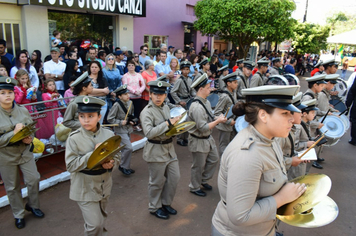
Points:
(202, 145)
(14, 157)
(116, 116)
(242, 81)
(161, 158)
(251, 172)
(91, 192)
(274, 71)
(257, 80)
(70, 118)
(226, 131)
(222, 84)
(323, 102)
(309, 95)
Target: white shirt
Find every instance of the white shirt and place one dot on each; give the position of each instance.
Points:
(50, 67)
(35, 82)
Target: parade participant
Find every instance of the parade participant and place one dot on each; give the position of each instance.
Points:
(318, 69)
(205, 68)
(276, 68)
(239, 66)
(92, 198)
(259, 78)
(181, 93)
(351, 104)
(226, 100)
(201, 142)
(243, 79)
(324, 96)
(117, 115)
(82, 86)
(17, 156)
(330, 66)
(159, 152)
(224, 71)
(252, 177)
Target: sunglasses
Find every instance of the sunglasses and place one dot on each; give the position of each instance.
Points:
(109, 59)
(136, 56)
(144, 49)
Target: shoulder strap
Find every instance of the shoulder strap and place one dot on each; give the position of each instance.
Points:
(122, 106)
(305, 128)
(291, 144)
(232, 99)
(207, 112)
(324, 92)
(186, 85)
(310, 94)
(243, 80)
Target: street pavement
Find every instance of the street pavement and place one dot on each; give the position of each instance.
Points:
(128, 206)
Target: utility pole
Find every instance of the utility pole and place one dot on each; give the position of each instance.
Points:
(306, 12)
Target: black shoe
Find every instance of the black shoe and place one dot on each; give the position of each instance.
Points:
(199, 193)
(207, 186)
(320, 159)
(317, 165)
(36, 212)
(352, 143)
(169, 209)
(124, 171)
(185, 141)
(131, 170)
(160, 213)
(181, 142)
(20, 223)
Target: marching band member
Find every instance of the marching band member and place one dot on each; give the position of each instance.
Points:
(201, 142)
(252, 177)
(159, 152)
(243, 79)
(17, 156)
(205, 68)
(224, 72)
(275, 69)
(324, 96)
(259, 78)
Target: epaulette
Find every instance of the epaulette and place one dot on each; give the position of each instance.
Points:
(74, 132)
(246, 145)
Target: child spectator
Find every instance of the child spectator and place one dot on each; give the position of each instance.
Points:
(21, 90)
(3, 71)
(56, 39)
(69, 92)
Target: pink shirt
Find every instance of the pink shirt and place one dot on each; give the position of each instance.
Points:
(148, 78)
(135, 83)
(68, 93)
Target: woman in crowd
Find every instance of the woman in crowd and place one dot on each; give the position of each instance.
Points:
(148, 75)
(253, 178)
(71, 70)
(175, 69)
(194, 68)
(37, 63)
(113, 77)
(138, 66)
(135, 85)
(100, 85)
(214, 64)
(22, 62)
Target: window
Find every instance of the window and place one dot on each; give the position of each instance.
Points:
(11, 33)
(189, 10)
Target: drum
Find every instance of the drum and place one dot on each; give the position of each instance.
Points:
(345, 120)
(341, 87)
(292, 79)
(177, 111)
(338, 104)
(277, 80)
(336, 129)
(241, 123)
(230, 114)
(213, 98)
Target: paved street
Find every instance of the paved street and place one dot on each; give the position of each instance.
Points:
(128, 213)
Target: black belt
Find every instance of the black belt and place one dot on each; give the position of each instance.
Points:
(95, 172)
(160, 141)
(202, 137)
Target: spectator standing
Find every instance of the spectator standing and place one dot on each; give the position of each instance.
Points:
(63, 55)
(120, 65)
(157, 58)
(21, 89)
(345, 67)
(69, 92)
(22, 62)
(143, 56)
(135, 85)
(148, 75)
(138, 66)
(194, 68)
(170, 51)
(71, 70)
(3, 52)
(178, 54)
(162, 68)
(56, 39)
(113, 77)
(3, 71)
(37, 63)
(290, 67)
(54, 69)
(174, 65)
(101, 58)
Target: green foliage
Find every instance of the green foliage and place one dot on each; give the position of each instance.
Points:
(340, 23)
(310, 38)
(244, 21)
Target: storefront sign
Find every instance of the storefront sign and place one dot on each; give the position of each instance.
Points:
(127, 7)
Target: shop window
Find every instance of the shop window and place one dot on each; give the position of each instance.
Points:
(11, 33)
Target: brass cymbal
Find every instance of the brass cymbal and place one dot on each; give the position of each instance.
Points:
(321, 214)
(180, 128)
(318, 187)
(106, 151)
(24, 132)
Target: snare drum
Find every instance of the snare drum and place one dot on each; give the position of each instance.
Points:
(292, 79)
(213, 98)
(345, 120)
(230, 114)
(241, 123)
(336, 129)
(341, 87)
(277, 80)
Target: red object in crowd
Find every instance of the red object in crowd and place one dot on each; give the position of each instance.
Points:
(85, 44)
(234, 68)
(254, 70)
(314, 71)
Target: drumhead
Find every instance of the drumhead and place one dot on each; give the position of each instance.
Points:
(213, 98)
(292, 79)
(230, 114)
(241, 123)
(277, 80)
(341, 87)
(345, 120)
(335, 127)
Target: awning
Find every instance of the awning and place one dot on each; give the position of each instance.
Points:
(347, 38)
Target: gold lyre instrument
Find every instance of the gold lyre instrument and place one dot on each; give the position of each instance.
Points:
(105, 152)
(24, 132)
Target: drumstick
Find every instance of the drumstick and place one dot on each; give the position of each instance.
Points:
(228, 109)
(325, 116)
(107, 125)
(128, 110)
(341, 113)
(314, 144)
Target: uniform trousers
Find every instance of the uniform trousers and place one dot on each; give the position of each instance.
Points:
(94, 215)
(11, 177)
(183, 136)
(225, 138)
(203, 168)
(162, 185)
(126, 151)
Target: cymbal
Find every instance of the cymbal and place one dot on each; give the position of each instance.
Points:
(24, 132)
(318, 187)
(321, 214)
(106, 151)
(180, 128)
(179, 111)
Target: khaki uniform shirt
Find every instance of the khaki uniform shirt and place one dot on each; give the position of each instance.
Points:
(274, 71)
(286, 147)
(154, 126)
(179, 91)
(198, 114)
(319, 113)
(251, 172)
(257, 80)
(80, 145)
(71, 119)
(222, 84)
(242, 81)
(221, 108)
(239, 72)
(323, 101)
(19, 152)
(117, 115)
(301, 138)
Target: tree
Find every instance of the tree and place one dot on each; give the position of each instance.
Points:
(244, 21)
(340, 23)
(309, 38)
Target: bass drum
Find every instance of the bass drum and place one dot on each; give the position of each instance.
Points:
(292, 79)
(213, 98)
(277, 80)
(341, 88)
(336, 129)
(241, 123)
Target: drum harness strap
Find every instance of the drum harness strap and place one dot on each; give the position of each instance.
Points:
(232, 99)
(310, 94)
(243, 80)
(122, 106)
(291, 144)
(305, 129)
(186, 86)
(207, 112)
